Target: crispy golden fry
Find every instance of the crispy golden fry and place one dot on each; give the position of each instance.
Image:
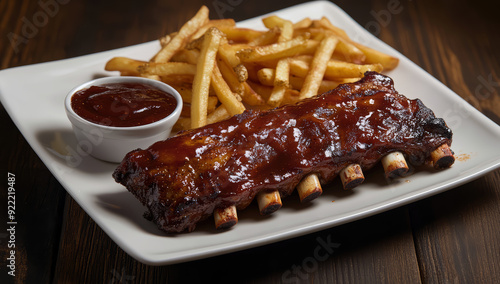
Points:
(318, 67)
(241, 72)
(325, 23)
(285, 26)
(252, 70)
(262, 90)
(274, 51)
(374, 56)
(151, 76)
(214, 23)
(195, 44)
(281, 83)
(185, 91)
(166, 69)
(266, 76)
(187, 56)
(231, 78)
(186, 94)
(240, 34)
(250, 96)
(220, 113)
(266, 82)
(335, 69)
(177, 79)
(296, 83)
(277, 96)
(348, 52)
(164, 40)
(182, 123)
(269, 37)
(225, 95)
(212, 103)
(179, 40)
(228, 55)
(291, 97)
(282, 73)
(124, 64)
(304, 23)
(201, 83)
(211, 106)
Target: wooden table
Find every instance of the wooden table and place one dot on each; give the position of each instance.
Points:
(453, 237)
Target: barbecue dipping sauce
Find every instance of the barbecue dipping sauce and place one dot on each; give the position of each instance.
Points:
(123, 104)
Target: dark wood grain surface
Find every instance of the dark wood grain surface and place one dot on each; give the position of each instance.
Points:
(453, 237)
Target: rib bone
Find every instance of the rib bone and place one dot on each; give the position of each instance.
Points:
(225, 218)
(394, 165)
(352, 176)
(268, 202)
(442, 157)
(309, 188)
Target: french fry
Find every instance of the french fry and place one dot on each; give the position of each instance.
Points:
(252, 70)
(151, 76)
(283, 67)
(348, 52)
(281, 83)
(211, 106)
(124, 64)
(240, 34)
(177, 79)
(296, 83)
(184, 91)
(335, 69)
(304, 23)
(269, 37)
(228, 54)
(325, 23)
(201, 83)
(266, 76)
(187, 56)
(182, 123)
(263, 90)
(179, 40)
(225, 95)
(231, 78)
(164, 40)
(285, 26)
(241, 72)
(166, 69)
(374, 56)
(282, 73)
(250, 96)
(291, 97)
(318, 67)
(220, 113)
(213, 23)
(274, 51)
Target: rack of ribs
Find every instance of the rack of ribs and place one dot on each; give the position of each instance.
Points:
(222, 167)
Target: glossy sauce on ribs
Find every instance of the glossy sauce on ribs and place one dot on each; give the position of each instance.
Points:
(183, 179)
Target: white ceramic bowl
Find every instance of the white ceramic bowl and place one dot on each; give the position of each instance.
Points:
(110, 143)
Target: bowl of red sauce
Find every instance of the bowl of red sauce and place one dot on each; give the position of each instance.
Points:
(112, 116)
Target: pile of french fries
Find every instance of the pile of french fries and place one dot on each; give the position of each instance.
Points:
(221, 69)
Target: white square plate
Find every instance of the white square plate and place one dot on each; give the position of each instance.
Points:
(37, 108)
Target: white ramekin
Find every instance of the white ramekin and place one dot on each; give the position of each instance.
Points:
(110, 143)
